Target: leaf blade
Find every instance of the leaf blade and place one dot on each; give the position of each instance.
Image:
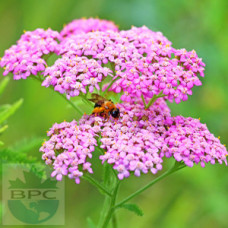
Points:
(133, 208)
(10, 110)
(3, 84)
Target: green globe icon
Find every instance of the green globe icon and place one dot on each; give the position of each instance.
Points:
(26, 208)
(33, 212)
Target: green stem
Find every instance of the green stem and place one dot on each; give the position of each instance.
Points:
(113, 68)
(152, 100)
(143, 99)
(104, 210)
(102, 152)
(111, 206)
(37, 78)
(108, 183)
(111, 182)
(113, 170)
(114, 221)
(167, 173)
(110, 85)
(62, 95)
(97, 184)
(71, 103)
(113, 81)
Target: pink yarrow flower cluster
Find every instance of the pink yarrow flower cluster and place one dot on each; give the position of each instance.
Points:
(72, 75)
(133, 144)
(69, 148)
(141, 62)
(26, 57)
(87, 25)
(190, 141)
(163, 69)
(95, 52)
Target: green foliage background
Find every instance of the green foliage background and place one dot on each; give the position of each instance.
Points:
(194, 197)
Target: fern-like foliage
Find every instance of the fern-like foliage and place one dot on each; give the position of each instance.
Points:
(6, 110)
(18, 153)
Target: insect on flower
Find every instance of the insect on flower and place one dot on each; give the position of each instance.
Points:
(104, 107)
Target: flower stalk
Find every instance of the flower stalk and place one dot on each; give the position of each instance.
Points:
(97, 185)
(38, 78)
(111, 208)
(152, 100)
(110, 203)
(177, 166)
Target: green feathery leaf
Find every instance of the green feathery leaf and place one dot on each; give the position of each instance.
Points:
(10, 110)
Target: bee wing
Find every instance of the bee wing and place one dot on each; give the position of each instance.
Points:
(96, 98)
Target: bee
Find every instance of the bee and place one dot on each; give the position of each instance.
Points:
(104, 107)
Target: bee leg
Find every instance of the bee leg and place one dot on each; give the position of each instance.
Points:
(105, 115)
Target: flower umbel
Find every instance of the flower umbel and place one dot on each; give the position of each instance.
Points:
(72, 75)
(68, 149)
(141, 63)
(135, 143)
(26, 57)
(190, 141)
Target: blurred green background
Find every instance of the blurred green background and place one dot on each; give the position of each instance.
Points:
(194, 197)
